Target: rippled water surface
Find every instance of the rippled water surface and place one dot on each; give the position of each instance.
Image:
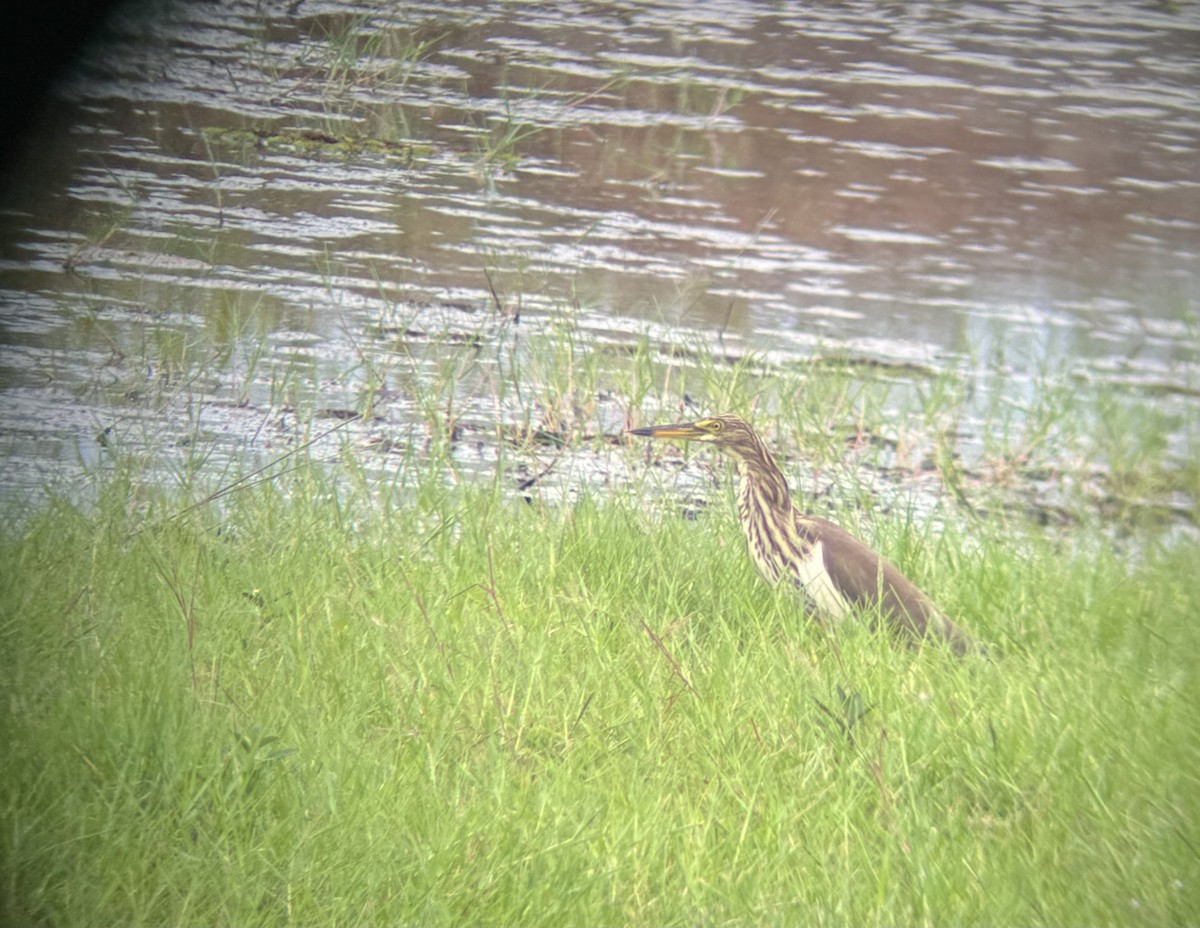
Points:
(999, 190)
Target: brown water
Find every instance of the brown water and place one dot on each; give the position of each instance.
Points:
(995, 190)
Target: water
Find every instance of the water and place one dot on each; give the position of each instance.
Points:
(998, 191)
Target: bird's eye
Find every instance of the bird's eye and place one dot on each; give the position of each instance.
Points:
(716, 425)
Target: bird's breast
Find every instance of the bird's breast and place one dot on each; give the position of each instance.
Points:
(779, 552)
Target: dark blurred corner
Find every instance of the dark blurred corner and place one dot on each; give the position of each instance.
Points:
(38, 39)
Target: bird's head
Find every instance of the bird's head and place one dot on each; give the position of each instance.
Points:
(729, 433)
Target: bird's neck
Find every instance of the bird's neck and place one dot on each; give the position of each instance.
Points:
(763, 479)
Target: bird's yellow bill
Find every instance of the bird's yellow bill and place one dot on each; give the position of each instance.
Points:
(684, 430)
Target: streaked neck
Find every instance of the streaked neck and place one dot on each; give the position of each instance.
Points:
(760, 475)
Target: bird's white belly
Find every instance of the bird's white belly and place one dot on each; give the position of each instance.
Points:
(813, 580)
(779, 554)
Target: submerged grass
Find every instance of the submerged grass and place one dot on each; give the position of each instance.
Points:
(314, 703)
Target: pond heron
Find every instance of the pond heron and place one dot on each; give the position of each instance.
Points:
(836, 574)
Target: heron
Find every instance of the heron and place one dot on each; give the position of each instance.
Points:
(835, 573)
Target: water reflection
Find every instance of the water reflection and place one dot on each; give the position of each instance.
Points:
(939, 184)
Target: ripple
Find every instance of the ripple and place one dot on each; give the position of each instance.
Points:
(890, 236)
(875, 176)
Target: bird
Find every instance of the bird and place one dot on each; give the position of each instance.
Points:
(836, 574)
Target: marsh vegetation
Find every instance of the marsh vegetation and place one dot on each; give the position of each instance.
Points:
(334, 591)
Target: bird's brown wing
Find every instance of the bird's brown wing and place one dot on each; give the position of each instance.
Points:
(871, 582)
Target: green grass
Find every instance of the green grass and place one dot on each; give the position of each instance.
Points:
(323, 705)
(333, 699)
